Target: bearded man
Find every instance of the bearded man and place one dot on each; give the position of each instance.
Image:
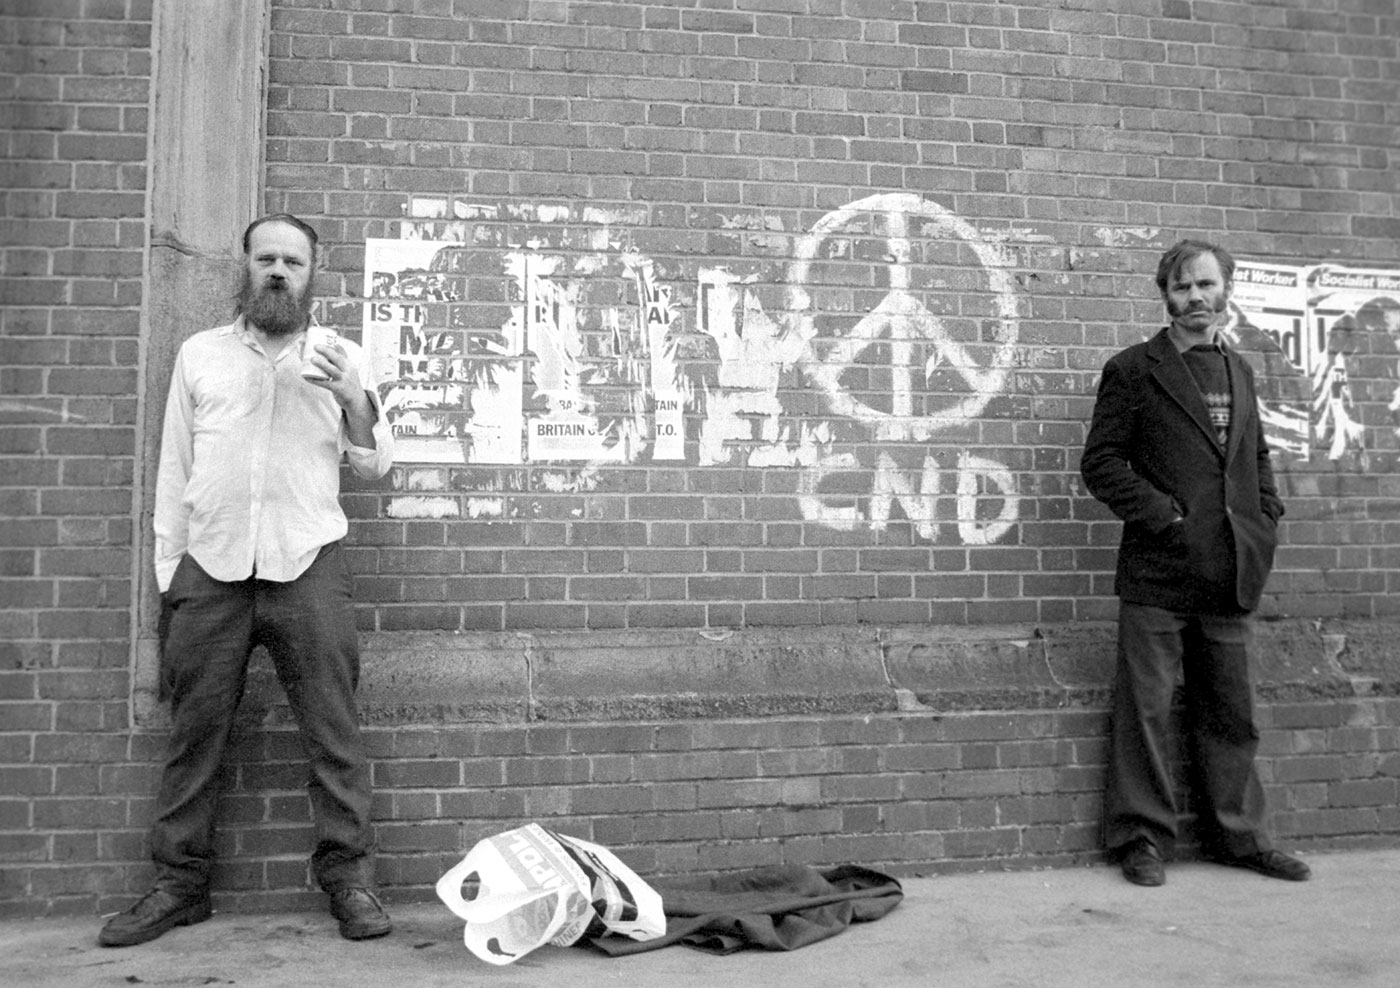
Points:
(1176, 450)
(248, 530)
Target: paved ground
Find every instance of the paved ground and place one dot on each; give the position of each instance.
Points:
(1074, 928)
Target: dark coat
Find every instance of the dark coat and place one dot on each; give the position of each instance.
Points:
(1152, 456)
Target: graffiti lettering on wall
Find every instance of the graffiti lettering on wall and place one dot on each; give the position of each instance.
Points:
(1325, 338)
(528, 336)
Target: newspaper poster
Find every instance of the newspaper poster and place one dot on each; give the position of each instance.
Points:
(669, 415)
(1367, 299)
(668, 400)
(414, 366)
(442, 406)
(1354, 325)
(569, 430)
(1268, 326)
(1274, 299)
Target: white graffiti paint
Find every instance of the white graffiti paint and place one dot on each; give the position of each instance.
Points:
(1125, 236)
(423, 507)
(975, 475)
(900, 319)
(485, 507)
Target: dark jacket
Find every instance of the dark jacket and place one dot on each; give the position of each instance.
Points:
(1152, 456)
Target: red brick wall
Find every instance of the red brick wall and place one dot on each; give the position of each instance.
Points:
(1051, 154)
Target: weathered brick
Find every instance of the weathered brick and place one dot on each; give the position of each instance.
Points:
(17, 847)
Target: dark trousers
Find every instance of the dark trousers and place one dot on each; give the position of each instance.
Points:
(308, 629)
(1212, 651)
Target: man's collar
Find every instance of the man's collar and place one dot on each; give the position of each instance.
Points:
(253, 338)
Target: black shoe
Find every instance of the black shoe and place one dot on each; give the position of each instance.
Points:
(1274, 864)
(1142, 863)
(360, 914)
(159, 910)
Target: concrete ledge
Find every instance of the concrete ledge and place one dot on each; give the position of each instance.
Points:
(433, 678)
(982, 668)
(427, 677)
(702, 673)
(637, 675)
(1297, 658)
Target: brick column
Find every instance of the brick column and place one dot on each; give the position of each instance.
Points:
(205, 183)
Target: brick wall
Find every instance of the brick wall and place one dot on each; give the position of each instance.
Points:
(887, 245)
(833, 282)
(75, 76)
(906, 793)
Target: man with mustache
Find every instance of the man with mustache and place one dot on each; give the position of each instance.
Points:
(248, 527)
(1176, 450)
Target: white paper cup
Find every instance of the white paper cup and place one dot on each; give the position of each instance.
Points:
(317, 336)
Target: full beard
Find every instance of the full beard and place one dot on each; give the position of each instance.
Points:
(274, 310)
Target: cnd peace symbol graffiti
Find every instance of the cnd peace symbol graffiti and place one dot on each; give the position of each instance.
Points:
(986, 501)
(900, 320)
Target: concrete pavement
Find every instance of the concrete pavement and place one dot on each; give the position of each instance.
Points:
(1067, 928)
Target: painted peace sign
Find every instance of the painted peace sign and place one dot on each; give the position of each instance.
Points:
(901, 319)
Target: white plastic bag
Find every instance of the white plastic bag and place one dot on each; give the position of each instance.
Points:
(534, 887)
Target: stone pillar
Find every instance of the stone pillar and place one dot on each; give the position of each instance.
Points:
(205, 183)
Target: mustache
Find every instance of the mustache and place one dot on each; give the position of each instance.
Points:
(1200, 305)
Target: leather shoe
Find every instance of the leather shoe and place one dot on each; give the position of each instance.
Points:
(1142, 863)
(159, 910)
(360, 914)
(1274, 864)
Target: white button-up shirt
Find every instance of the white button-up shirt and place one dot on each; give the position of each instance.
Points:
(249, 479)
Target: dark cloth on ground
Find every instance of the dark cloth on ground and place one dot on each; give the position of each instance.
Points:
(778, 908)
